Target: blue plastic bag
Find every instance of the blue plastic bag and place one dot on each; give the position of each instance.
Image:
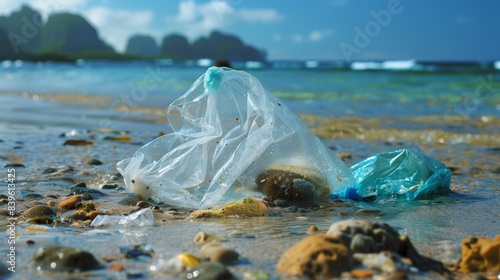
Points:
(405, 173)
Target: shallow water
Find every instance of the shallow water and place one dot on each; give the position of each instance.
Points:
(423, 114)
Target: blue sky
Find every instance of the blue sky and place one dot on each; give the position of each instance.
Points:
(299, 29)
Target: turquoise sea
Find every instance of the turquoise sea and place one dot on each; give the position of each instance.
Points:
(450, 111)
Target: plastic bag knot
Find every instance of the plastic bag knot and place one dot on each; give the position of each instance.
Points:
(213, 78)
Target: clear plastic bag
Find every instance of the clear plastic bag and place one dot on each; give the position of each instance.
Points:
(228, 130)
(403, 173)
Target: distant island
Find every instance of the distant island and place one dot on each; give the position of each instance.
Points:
(68, 37)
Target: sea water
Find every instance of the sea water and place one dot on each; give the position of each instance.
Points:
(450, 112)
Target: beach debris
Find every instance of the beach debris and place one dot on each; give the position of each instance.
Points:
(64, 259)
(143, 217)
(218, 253)
(351, 243)
(137, 251)
(404, 173)
(70, 202)
(249, 207)
(175, 265)
(74, 142)
(480, 254)
(227, 130)
(209, 271)
(318, 254)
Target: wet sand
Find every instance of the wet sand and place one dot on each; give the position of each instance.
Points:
(435, 226)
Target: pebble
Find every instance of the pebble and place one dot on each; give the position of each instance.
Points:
(70, 202)
(203, 238)
(116, 267)
(142, 204)
(94, 162)
(92, 192)
(362, 273)
(49, 170)
(280, 203)
(39, 211)
(217, 253)
(209, 271)
(120, 138)
(3, 196)
(4, 212)
(79, 185)
(87, 206)
(136, 251)
(312, 229)
(132, 200)
(188, 260)
(64, 259)
(32, 196)
(77, 215)
(51, 195)
(51, 203)
(92, 214)
(4, 201)
(14, 165)
(73, 142)
(109, 186)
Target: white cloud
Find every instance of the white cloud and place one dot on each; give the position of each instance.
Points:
(317, 35)
(194, 19)
(116, 26)
(45, 7)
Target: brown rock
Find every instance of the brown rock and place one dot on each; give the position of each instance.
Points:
(480, 254)
(362, 273)
(312, 229)
(91, 216)
(216, 253)
(70, 202)
(316, 254)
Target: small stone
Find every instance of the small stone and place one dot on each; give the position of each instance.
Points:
(49, 170)
(39, 211)
(362, 244)
(280, 203)
(77, 215)
(362, 273)
(72, 142)
(120, 138)
(131, 201)
(4, 201)
(116, 267)
(312, 229)
(142, 204)
(64, 259)
(14, 164)
(94, 162)
(209, 271)
(292, 209)
(92, 192)
(217, 253)
(91, 215)
(136, 251)
(70, 202)
(51, 203)
(87, 206)
(51, 195)
(32, 196)
(109, 186)
(3, 196)
(316, 254)
(86, 196)
(44, 220)
(79, 185)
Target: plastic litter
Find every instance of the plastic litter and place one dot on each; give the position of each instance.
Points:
(403, 173)
(227, 130)
(143, 217)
